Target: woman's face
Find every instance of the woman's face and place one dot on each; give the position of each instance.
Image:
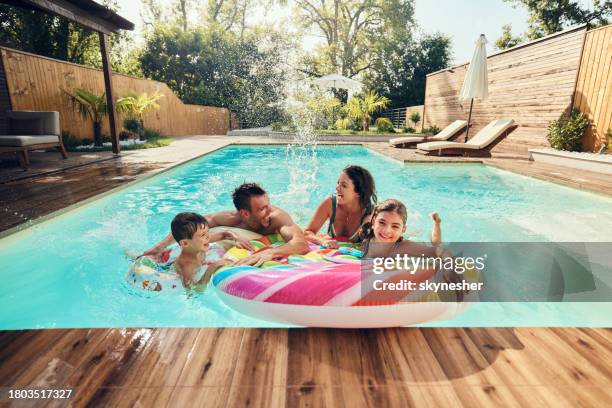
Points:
(388, 227)
(345, 189)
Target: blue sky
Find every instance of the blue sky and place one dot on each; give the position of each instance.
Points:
(462, 20)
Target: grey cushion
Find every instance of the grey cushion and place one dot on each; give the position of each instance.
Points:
(50, 121)
(33, 126)
(20, 141)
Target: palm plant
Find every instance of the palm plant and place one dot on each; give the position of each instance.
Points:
(135, 107)
(363, 108)
(90, 106)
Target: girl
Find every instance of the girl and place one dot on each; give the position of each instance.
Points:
(383, 234)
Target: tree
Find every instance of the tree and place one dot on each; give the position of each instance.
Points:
(363, 108)
(507, 40)
(58, 38)
(90, 106)
(209, 66)
(357, 33)
(415, 117)
(401, 74)
(550, 16)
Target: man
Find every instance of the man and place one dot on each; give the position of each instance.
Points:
(254, 213)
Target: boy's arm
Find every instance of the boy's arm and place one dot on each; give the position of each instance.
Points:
(233, 236)
(156, 250)
(201, 284)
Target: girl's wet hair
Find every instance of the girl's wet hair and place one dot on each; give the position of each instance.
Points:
(364, 185)
(390, 205)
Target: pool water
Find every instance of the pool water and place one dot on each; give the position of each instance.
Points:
(69, 271)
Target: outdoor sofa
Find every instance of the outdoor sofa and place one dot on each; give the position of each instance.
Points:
(29, 130)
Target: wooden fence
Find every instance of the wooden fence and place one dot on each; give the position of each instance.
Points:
(36, 83)
(594, 86)
(532, 83)
(415, 108)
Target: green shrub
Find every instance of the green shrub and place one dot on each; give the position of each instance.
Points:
(409, 130)
(86, 142)
(151, 134)
(384, 125)
(123, 135)
(566, 132)
(434, 130)
(277, 127)
(132, 125)
(343, 124)
(415, 117)
(70, 141)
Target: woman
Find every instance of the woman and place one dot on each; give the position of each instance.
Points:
(346, 210)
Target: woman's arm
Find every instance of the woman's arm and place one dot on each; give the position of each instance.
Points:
(321, 215)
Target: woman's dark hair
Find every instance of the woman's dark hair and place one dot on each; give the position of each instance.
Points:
(391, 205)
(185, 224)
(364, 185)
(242, 195)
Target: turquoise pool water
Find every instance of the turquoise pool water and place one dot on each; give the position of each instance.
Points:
(69, 271)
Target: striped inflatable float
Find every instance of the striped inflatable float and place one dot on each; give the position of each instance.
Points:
(326, 288)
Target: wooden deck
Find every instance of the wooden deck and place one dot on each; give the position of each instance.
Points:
(313, 367)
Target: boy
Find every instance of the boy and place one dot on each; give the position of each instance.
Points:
(190, 230)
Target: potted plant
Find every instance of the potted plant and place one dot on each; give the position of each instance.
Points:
(91, 106)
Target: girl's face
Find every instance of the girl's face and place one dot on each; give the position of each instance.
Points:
(345, 189)
(388, 227)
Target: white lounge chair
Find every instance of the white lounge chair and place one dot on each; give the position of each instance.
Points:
(480, 145)
(445, 134)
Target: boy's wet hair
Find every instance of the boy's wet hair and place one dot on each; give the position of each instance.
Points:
(185, 224)
(242, 195)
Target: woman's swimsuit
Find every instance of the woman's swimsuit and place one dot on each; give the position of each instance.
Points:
(331, 230)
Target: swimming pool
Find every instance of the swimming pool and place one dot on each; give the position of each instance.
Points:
(69, 271)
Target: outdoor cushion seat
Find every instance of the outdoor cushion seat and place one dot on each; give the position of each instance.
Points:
(445, 134)
(31, 130)
(480, 141)
(27, 140)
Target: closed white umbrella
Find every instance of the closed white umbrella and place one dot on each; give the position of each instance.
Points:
(476, 84)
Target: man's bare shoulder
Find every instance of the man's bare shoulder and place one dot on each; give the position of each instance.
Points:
(280, 218)
(228, 218)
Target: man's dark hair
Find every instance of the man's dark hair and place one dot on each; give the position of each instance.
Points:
(242, 195)
(185, 224)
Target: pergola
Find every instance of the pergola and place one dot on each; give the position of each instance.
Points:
(92, 15)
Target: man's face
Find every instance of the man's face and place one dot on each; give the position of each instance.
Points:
(259, 215)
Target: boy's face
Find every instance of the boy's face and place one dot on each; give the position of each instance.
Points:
(259, 215)
(199, 242)
(388, 227)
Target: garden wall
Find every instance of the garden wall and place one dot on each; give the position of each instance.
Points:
(532, 83)
(35, 83)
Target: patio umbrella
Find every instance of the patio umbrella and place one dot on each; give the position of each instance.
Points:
(475, 84)
(339, 82)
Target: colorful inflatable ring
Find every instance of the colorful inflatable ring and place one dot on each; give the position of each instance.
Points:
(320, 293)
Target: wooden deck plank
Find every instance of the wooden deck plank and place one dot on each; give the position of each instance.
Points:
(316, 367)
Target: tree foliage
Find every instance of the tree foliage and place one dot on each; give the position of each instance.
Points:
(550, 16)
(210, 66)
(401, 74)
(507, 39)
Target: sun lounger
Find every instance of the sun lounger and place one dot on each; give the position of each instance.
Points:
(451, 130)
(32, 131)
(480, 145)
